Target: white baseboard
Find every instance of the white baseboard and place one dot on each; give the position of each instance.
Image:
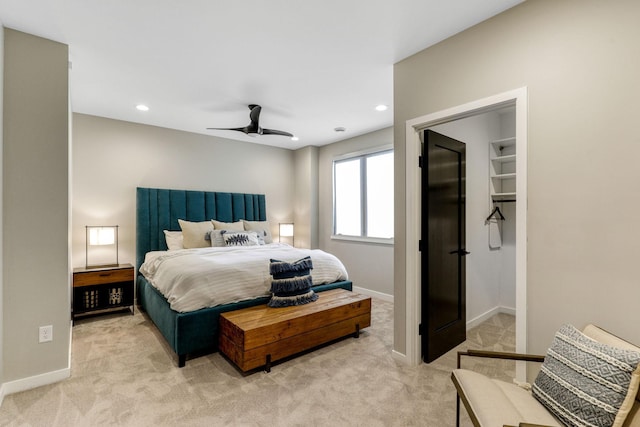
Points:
(399, 357)
(484, 316)
(35, 381)
(374, 294)
(1, 394)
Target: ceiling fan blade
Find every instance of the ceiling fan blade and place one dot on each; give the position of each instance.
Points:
(276, 132)
(244, 129)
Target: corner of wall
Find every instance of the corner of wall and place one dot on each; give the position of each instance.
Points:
(1, 212)
(306, 196)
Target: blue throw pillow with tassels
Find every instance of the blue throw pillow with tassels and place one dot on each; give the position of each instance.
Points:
(291, 284)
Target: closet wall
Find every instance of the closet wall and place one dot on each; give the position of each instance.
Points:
(490, 272)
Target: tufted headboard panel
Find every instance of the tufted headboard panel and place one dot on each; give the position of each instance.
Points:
(160, 209)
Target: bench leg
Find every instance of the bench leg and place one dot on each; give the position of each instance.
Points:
(356, 334)
(267, 365)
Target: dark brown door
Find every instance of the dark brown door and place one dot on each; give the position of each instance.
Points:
(443, 245)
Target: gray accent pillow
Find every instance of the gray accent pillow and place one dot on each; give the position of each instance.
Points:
(584, 382)
(216, 238)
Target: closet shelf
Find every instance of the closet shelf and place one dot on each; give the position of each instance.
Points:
(505, 159)
(504, 176)
(501, 196)
(502, 170)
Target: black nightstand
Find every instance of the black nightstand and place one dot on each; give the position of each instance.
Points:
(102, 289)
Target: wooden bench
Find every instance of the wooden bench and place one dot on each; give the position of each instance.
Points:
(256, 336)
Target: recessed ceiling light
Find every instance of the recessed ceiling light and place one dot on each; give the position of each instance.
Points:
(381, 107)
(142, 107)
(295, 138)
(340, 129)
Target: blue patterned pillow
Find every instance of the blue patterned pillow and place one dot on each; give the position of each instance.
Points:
(584, 382)
(291, 284)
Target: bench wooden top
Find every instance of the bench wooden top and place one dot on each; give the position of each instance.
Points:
(263, 315)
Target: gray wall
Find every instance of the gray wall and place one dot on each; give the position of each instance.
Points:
(1, 211)
(356, 256)
(35, 205)
(580, 60)
(111, 158)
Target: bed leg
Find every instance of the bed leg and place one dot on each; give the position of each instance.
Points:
(356, 334)
(182, 360)
(267, 365)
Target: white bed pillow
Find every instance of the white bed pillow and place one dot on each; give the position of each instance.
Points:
(173, 239)
(194, 233)
(260, 227)
(235, 226)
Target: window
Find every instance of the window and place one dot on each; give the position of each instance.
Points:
(363, 196)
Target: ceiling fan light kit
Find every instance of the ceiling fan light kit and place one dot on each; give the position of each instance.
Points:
(253, 128)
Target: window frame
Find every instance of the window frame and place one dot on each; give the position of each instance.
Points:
(362, 155)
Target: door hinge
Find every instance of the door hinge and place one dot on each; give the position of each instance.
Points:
(420, 161)
(420, 329)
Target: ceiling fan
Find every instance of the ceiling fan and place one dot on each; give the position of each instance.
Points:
(254, 128)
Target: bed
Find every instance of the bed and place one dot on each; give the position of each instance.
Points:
(191, 333)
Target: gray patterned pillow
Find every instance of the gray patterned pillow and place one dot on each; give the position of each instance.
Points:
(584, 382)
(219, 238)
(240, 238)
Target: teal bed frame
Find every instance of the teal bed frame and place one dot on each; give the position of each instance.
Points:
(192, 333)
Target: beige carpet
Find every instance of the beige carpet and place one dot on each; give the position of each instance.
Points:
(123, 373)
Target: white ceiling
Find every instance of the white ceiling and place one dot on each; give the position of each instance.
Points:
(313, 65)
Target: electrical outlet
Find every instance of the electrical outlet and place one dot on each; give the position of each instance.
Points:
(46, 333)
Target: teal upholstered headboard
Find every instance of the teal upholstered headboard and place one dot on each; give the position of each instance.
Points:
(160, 209)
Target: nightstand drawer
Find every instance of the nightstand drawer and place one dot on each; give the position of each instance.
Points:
(105, 276)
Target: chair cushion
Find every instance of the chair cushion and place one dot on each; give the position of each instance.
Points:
(496, 403)
(586, 382)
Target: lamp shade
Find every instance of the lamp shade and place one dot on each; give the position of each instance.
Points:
(286, 229)
(100, 236)
(101, 246)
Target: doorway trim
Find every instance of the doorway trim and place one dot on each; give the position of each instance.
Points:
(517, 97)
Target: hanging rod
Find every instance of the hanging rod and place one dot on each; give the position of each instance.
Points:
(505, 201)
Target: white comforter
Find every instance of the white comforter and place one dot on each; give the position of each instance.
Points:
(191, 279)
